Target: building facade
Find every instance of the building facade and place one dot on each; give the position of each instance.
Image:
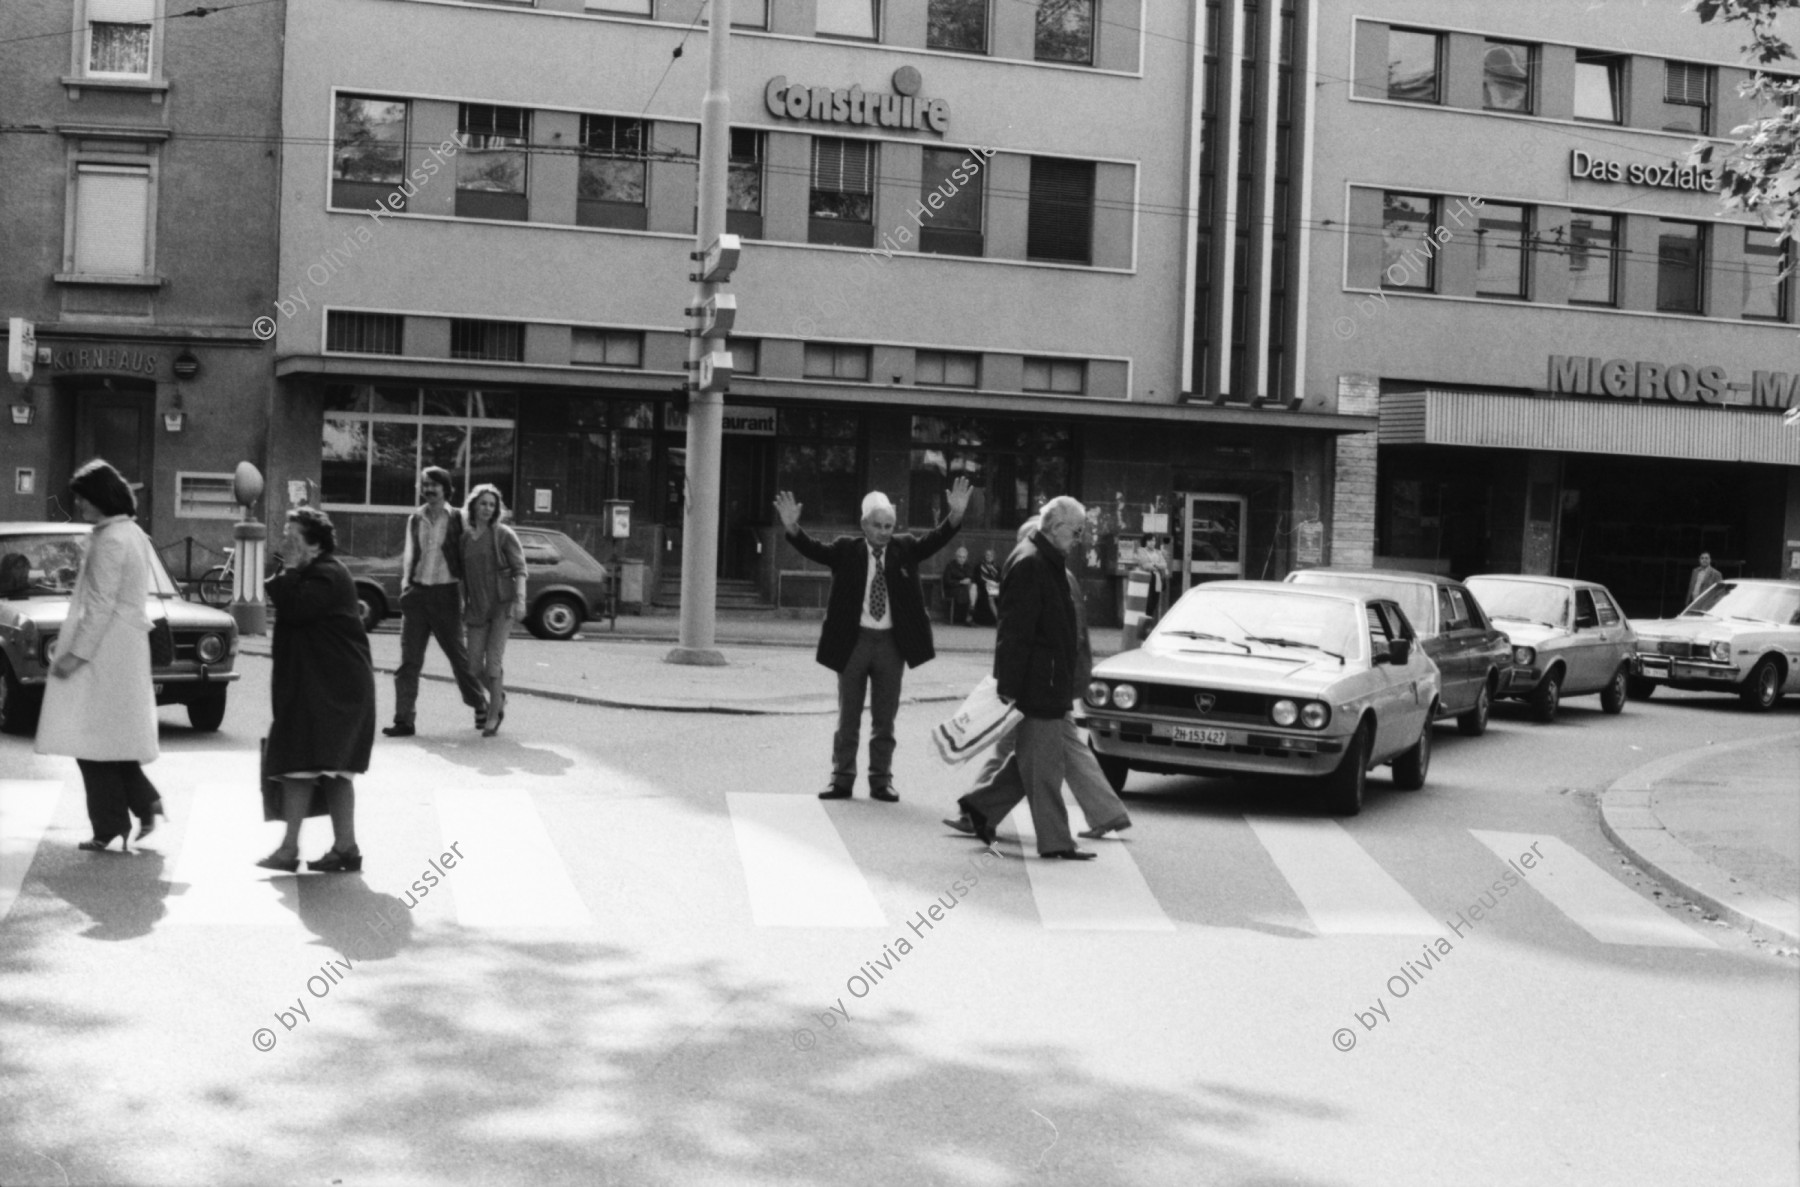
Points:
(1579, 362)
(970, 249)
(139, 156)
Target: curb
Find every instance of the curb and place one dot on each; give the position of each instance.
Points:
(1629, 821)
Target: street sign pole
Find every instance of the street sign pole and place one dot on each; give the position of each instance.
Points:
(700, 535)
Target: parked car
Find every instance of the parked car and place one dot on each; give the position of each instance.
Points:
(564, 585)
(1474, 659)
(38, 563)
(1570, 638)
(1267, 678)
(1739, 636)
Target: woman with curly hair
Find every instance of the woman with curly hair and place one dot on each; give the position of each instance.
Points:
(494, 585)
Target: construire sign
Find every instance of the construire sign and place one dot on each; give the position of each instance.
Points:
(871, 109)
(1664, 175)
(1628, 379)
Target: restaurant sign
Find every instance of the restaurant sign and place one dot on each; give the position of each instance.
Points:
(870, 109)
(1629, 379)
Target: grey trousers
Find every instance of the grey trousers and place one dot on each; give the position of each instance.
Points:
(1034, 774)
(1081, 770)
(874, 670)
(428, 612)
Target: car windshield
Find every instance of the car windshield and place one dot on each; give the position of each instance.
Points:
(1418, 600)
(1239, 615)
(1761, 603)
(1523, 601)
(46, 564)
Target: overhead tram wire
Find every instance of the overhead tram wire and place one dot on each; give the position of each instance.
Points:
(692, 25)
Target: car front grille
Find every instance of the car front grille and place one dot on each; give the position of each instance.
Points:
(1173, 700)
(1682, 649)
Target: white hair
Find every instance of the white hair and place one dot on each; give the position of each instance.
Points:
(1061, 509)
(875, 501)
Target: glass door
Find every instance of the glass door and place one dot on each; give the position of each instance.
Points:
(1210, 538)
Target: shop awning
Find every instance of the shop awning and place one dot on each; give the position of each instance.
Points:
(1701, 432)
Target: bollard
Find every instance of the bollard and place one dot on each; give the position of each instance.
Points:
(247, 605)
(1137, 600)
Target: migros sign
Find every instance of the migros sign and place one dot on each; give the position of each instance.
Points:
(1630, 379)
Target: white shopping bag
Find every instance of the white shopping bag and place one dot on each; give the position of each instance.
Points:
(982, 721)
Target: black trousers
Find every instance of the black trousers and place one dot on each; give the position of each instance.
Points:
(874, 673)
(430, 612)
(115, 792)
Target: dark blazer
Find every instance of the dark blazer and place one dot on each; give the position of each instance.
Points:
(848, 559)
(1035, 649)
(322, 688)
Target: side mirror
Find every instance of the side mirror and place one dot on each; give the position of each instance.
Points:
(1400, 652)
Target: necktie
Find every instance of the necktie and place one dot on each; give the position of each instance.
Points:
(878, 588)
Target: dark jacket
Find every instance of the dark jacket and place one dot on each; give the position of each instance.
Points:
(958, 583)
(848, 559)
(322, 688)
(1035, 647)
(412, 554)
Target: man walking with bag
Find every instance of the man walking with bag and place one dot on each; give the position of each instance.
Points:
(875, 626)
(431, 602)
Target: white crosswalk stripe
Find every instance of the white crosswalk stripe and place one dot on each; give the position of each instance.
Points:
(1594, 900)
(1106, 894)
(1342, 888)
(26, 806)
(215, 881)
(797, 871)
(510, 877)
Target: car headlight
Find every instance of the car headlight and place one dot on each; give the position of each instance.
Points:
(1315, 715)
(1124, 696)
(1284, 712)
(210, 649)
(1524, 656)
(1096, 693)
(1721, 651)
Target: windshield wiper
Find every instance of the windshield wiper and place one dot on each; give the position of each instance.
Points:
(1746, 618)
(1213, 638)
(1517, 618)
(1274, 642)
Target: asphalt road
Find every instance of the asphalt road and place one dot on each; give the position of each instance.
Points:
(659, 960)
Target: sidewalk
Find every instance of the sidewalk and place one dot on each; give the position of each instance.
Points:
(1720, 825)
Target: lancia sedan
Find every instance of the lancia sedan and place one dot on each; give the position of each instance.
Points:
(38, 563)
(1265, 678)
(1739, 636)
(1569, 638)
(1474, 659)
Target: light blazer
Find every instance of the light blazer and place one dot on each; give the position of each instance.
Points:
(848, 559)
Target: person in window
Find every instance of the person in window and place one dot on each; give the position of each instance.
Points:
(322, 691)
(493, 567)
(431, 602)
(959, 587)
(1703, 578)
(987, 590)
(875, 626)
(99, 704)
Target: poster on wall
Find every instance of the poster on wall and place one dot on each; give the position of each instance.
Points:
(1309, 542)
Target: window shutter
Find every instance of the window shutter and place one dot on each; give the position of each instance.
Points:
(843, 166)
(121, 12)
(1061, 223)
(1685, 82)
(111, 213)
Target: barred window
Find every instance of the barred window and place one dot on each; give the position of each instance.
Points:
(349, 332)
(490, 341)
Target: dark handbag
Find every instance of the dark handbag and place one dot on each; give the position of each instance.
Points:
(274, 791)
(162, 644)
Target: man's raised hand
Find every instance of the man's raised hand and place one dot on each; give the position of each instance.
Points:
(789, 510)
(958, 498)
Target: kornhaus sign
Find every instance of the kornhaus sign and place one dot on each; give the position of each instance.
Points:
(1630, 379)
(870, 109)
(1662, 175)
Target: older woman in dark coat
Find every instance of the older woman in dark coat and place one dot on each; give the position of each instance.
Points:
(323, 693)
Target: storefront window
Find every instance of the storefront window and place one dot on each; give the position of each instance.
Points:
(818, 455)
(376, 439)
(584, 450)
(1014, 467)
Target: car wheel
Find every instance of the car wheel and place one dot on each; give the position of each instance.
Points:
(1114, 768)
(215, 587)
(1546, 697)
(19, 705)
(1343, 788)
(1473, 724)
(1640, 688)
(1763, 688)
(1612, 697)
(558, 617)
(373, 608)
(1411, 768)
(207, 713)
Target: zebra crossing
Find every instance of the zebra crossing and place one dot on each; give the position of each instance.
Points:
(769, 861)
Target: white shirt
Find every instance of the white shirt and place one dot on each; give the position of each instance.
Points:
(433, 568)
(886, 621)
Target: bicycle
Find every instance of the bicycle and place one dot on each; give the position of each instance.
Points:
(216, 585)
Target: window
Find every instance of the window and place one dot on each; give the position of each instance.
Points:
(1382, 629)
(1060, 225)
(1594, 247)
(1412, 69)
(1065, 32)
(1585, 614)
(573, 447)
(817, 458)
(1066, 377)
(1765, 289)
(376, 439)
(1688, 85)
(1609, 614)
(612, 173)
(744, 184)
(826, 360)
(1501, 237)
(1013, 465)
(1508, 72)
(606, 348)
(348, 332)
(1406, 220)
(842, 206)
(954, 226)
(624, 7)
(118, 38)
(748, 14)
(490, 169)
(205, 496)
(1680, 263)
(1599, 87)
(959, 25)
(368, 151)
(746, 355)
(490, 341)
(858, 19)
(1453, 611)
(112, 220)
(946, 368)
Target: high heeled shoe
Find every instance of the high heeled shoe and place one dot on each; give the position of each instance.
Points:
(337, 863)
(272, 862)
(147, 825)
(99, 844)
(493, 727)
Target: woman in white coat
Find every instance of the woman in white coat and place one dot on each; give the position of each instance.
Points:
(99, 707)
